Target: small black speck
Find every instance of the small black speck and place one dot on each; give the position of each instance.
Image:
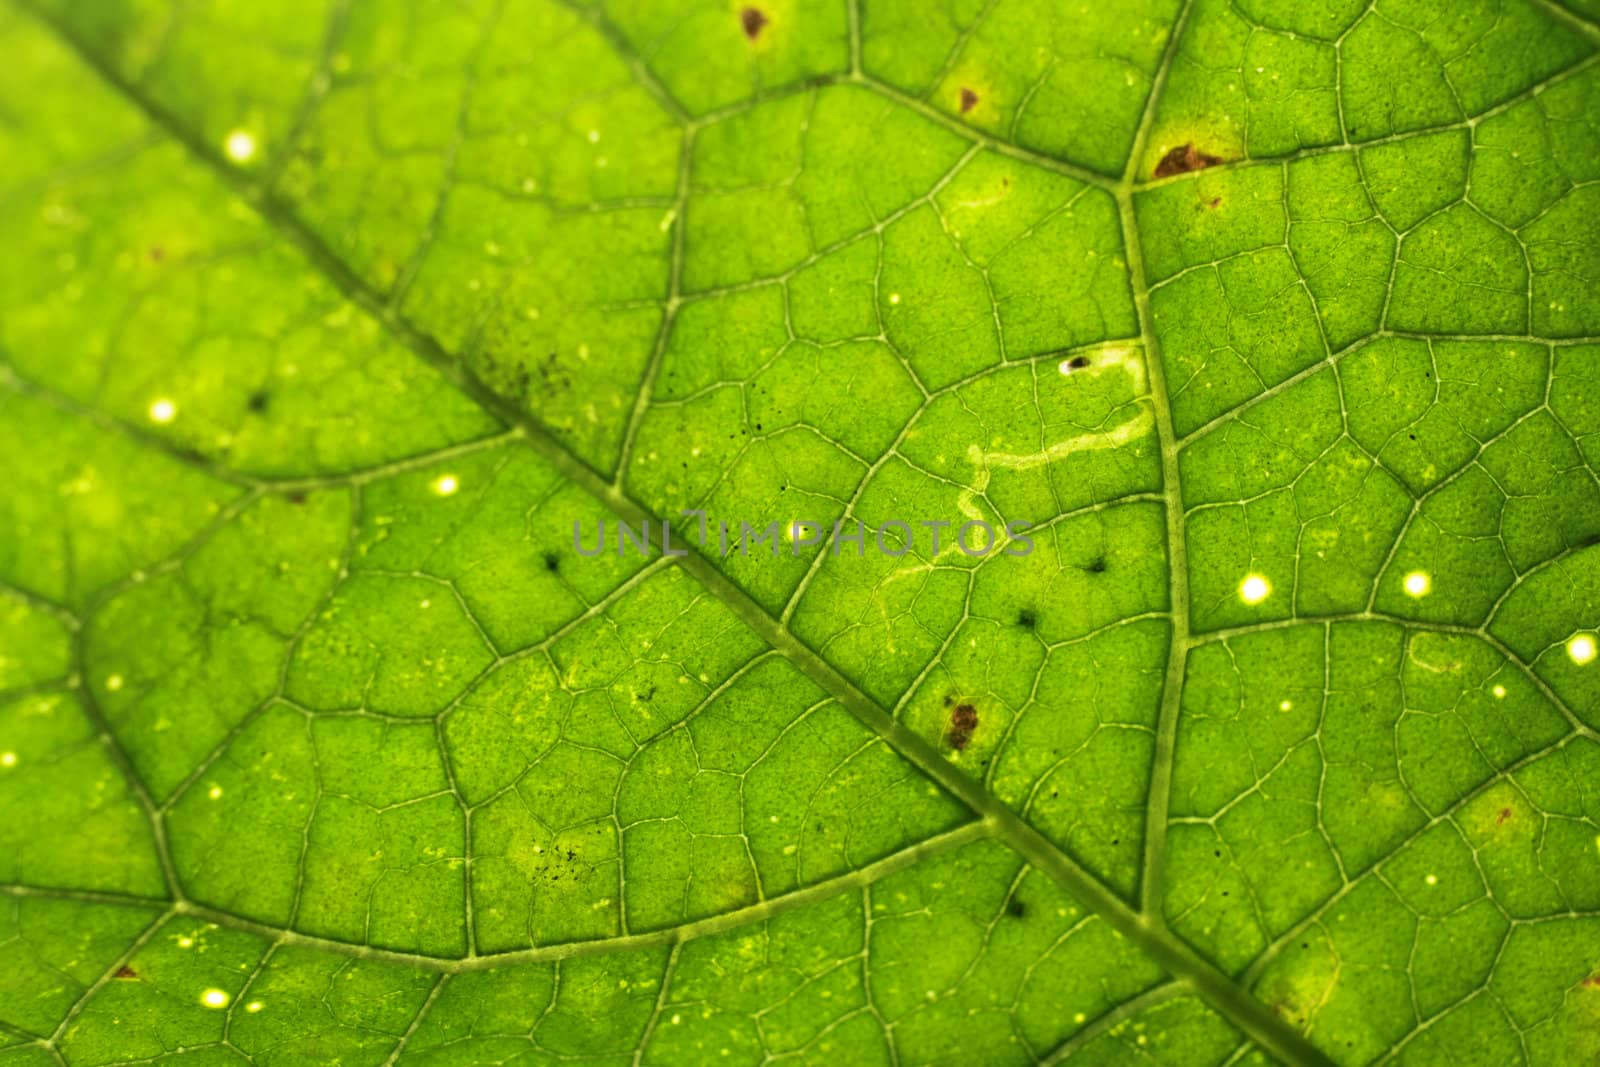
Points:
(1077, 362)
(552, 562)
(1097, 566)
(1016, 908)
(1027, 619)
(260, 400)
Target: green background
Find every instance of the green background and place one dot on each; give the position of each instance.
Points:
(322, 322)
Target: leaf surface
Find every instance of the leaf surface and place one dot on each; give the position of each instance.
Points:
(323, 323)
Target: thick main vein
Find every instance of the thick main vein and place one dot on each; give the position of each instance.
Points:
(1246, 1012)
(1152, 882)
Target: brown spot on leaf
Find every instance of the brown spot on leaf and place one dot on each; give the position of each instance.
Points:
(1214, 203)
(754, 20)
(963, 720)
(126, 972)
(157, 253)
(1182, 160)
(1505, 814)
(1592, 982)
(969, 99)
(1077, 362)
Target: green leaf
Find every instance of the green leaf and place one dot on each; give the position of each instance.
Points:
(323, 323)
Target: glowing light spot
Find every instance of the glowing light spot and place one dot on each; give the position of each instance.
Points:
(1499, 692)
(1080, 1018)
(1254, 589)
(163, 411)
(594, 136)
(894, 298)
(114, 682)
(1581, 648)
(1432, 879)
(215, 792)
(8, 759)
(214, 998)
(446, 484)
(254, 1006)
(1285, 706)
(1417, 583)
(240, 146)
(186, 942)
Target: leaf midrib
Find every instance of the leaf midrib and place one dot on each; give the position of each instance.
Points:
(1145, 930)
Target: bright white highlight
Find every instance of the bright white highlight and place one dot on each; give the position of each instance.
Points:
(215, 793)
(1418, 584)
(240, 146)
(163, 410)
(1499, 692)
(1254, 589)
(446, 484)
(214, 998)
(8, 759)
(253, 1007)
(1582, 649)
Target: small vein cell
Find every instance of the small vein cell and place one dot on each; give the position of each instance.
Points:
(240, 146)
(163, 410)
(1254, 589)
(445, 485)
(1581, 648)
(214, 998)
(1418, 584)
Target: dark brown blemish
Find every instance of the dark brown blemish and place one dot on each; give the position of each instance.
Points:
(296, 497)
(1592, 982)
(1016, 908)
(157, 253)
(969, 99)
(1501, 819)
(1097, 566)
(1182, 160)
(963, 720)
(126, 972)
(754, 20)
(552, 562)
(1077, 363)
(1027, 619)
(1214, 203)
